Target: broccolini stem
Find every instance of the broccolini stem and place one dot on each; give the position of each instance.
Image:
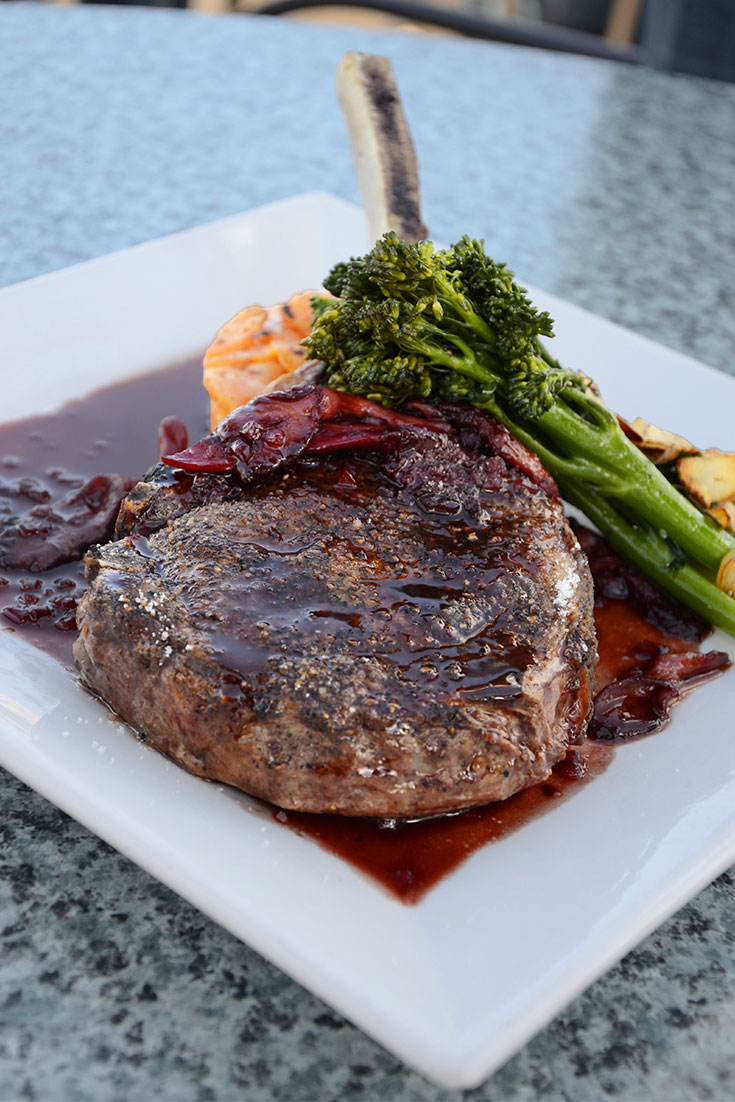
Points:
(641, 490)
(452, 304)
(646, 550)
(466, 363)
(606, 462)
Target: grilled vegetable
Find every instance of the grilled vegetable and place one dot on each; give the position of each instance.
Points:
(659, 445)
(709, 477)
(724, 515)
(254, 349)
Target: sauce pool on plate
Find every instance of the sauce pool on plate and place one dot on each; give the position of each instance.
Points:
(43, 458)
(409, 858)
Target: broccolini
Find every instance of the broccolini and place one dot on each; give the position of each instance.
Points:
(410, 320)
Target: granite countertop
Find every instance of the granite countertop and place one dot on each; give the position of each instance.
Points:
(607, 185)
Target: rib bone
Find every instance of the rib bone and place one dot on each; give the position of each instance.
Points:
(382, 147)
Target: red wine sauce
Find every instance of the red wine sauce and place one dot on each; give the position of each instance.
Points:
(409, 858)
(45, 457)
(624, 639)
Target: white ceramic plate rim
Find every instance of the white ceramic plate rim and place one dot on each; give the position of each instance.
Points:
(457, 983)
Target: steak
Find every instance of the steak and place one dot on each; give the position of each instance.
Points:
(342, 609)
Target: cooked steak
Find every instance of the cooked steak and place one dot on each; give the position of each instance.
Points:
(390, 620)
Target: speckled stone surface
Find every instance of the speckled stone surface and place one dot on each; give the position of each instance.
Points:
(609, 186)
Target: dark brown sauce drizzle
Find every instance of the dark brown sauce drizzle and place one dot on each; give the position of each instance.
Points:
(412, 604)
(409, 858)
(625, 638)
(43, 458)
(649, 648)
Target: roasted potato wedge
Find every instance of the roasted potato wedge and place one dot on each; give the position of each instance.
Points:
(659, 445)
(726, 574)
(709, 478)
(724, 514)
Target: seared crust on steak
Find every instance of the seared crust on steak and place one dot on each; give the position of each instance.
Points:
(396, 636)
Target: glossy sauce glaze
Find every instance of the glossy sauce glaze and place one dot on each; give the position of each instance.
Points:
(357, 580)
(47, 458)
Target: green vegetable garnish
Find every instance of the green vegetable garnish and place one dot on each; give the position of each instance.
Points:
(412, 321)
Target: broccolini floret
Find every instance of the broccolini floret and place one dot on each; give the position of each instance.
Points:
(411, 320)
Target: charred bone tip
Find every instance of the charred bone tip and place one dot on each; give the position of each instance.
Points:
(382, 147)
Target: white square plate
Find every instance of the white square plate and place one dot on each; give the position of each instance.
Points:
(455, 984)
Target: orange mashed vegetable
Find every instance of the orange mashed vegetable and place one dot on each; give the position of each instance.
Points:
(253, 349)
